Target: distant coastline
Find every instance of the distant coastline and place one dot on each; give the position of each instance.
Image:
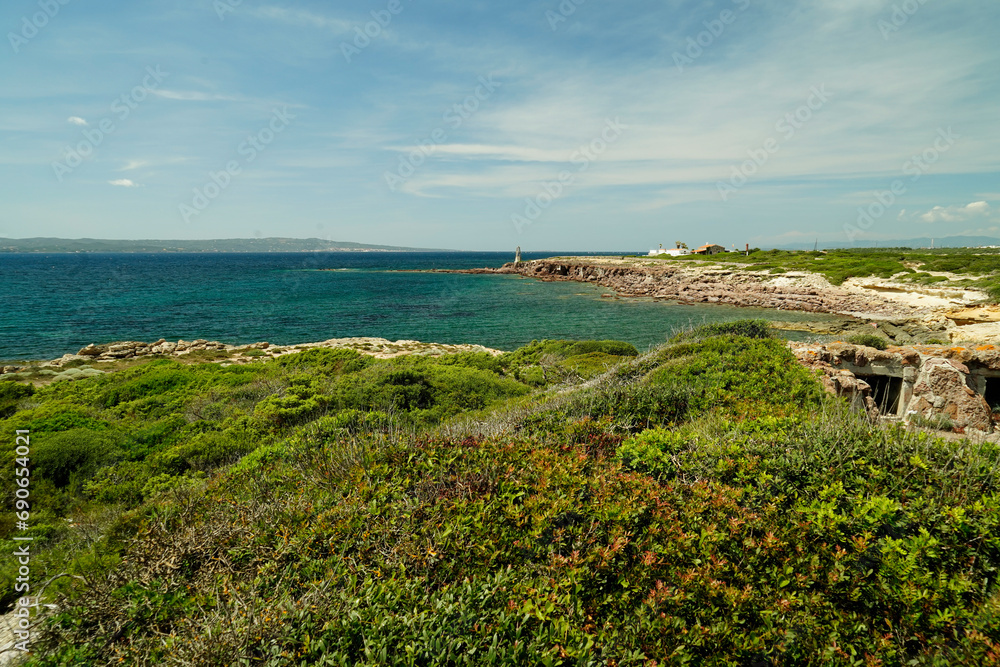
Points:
(270, 244)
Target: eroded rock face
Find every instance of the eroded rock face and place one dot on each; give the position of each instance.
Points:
(935, 381)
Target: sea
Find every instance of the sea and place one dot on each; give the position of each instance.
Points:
(54, 304)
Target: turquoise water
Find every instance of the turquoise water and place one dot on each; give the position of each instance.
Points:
(55, 304)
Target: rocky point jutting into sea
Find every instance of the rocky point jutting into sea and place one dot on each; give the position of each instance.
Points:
(903, 312)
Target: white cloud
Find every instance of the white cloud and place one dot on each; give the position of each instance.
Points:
(134, 164)
(124, 183)
(978, 210)
(76, 120)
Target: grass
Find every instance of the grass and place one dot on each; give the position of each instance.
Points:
(702, 504)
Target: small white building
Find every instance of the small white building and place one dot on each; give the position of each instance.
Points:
(672, 252)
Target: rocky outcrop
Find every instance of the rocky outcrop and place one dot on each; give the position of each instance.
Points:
(376, 347)
(930, 381)
(904, 313)
(688, 283)
(130, 349)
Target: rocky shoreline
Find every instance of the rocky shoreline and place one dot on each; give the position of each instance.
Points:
(205, 350)
(951, 385)
(902, 312)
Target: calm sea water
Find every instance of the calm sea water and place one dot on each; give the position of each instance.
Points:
(55, 304)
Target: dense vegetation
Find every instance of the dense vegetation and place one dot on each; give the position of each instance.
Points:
(977, 268)
(564, 504)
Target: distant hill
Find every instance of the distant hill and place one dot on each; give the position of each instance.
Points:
(214, 245)
(922, 242)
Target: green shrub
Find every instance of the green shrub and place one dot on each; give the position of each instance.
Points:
(483, 361)
(260, 460)
(343, 424)
(534, 352)
(869, 340)
(11, 393)
(76, 453)
(146, 381)
(744, 376)
(653, 451)
(164, 482)
(937, 422)
(609, 347)
(744, 328)
(325, 361)
(590, 365)
(635, 406)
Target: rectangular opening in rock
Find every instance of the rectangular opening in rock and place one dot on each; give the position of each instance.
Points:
(992, 393)
(885, 391)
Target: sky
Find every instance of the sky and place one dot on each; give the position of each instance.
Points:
(473, 125)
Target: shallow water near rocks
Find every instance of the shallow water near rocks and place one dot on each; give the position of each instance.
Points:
(58, 303)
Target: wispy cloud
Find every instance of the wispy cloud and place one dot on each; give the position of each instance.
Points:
(301, 17)
(979, 210)
(196, 96)
(482, 151)
(76, 120)
(134, 164)
(124, 183)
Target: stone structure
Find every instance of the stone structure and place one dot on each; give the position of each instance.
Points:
(932, 381)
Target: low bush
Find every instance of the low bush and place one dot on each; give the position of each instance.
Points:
(743, 328)
(73, 454)
(937, 423)
(869, 340)
(11, 393)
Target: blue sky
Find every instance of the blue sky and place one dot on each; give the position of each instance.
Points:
(576, 125)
